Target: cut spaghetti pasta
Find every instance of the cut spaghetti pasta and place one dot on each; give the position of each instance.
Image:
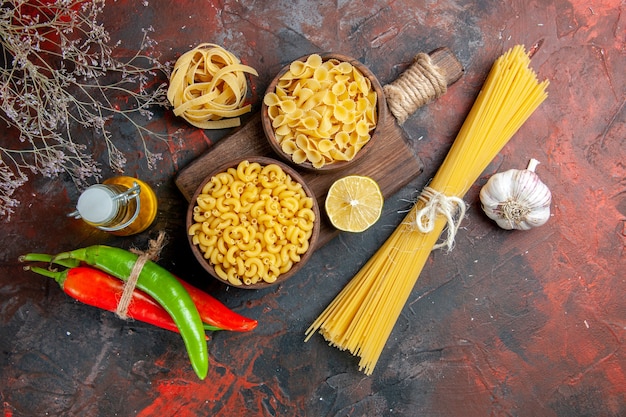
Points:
(362, 316)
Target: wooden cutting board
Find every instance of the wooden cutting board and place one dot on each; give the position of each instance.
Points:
(390, 162)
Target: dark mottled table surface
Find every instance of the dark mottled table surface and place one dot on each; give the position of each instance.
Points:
(517, 323)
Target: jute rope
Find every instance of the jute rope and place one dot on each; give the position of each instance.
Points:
(439, 203)
(421, 83)
(154, 249)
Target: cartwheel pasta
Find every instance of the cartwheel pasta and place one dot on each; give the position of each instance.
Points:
(322, 111)
(252, 222)
(208, 87)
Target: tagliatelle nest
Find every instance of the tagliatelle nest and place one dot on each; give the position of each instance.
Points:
(208, 87)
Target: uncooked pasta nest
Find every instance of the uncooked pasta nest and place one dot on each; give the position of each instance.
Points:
(208, 87)
(322, 111)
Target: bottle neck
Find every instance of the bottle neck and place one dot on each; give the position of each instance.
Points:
(109, 207)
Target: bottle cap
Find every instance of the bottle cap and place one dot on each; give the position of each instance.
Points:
(96, 205)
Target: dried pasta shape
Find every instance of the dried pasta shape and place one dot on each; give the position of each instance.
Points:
(208, 87)
(257, 227)
(289, 146)
(323, 104)
(299, 156)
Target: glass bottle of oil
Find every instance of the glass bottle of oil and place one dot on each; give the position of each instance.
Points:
(121, 205)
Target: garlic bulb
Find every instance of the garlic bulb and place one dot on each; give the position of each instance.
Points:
(517, 199)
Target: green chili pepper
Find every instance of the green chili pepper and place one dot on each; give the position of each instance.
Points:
(161, 285)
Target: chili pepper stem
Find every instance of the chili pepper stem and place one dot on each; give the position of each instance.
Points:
(58, 276)
(35, 257)
(44, 257)
(78, 254)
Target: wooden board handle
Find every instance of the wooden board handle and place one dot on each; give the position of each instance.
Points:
(425, 80)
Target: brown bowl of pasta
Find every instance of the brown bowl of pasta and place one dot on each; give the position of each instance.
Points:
(253, 222)
(321, 111)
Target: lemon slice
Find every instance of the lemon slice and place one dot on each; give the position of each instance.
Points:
(354, 203)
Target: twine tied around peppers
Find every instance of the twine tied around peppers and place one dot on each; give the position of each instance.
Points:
(421, 83)
(439, 203)
(151, 254)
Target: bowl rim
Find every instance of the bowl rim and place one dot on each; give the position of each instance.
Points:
(263, 160)
(381, 114)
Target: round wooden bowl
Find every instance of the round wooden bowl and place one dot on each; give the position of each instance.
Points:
(381, 108)
(263, 161)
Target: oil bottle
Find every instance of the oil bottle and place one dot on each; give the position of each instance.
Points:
(121, 205)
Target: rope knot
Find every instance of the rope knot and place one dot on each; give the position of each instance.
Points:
(151, 254)
(421, 83)
(451, 207)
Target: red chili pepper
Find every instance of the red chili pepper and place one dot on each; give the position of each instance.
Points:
(99, 289)
(212, 311)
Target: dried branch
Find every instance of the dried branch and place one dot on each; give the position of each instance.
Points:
(62, 86)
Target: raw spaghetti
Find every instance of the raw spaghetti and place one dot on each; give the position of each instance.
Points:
(361, 318)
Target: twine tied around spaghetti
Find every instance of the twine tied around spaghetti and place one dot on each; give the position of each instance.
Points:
(419, 84)
(451, 207)
(154, 249)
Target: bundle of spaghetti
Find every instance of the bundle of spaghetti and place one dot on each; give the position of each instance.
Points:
(362, 316)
